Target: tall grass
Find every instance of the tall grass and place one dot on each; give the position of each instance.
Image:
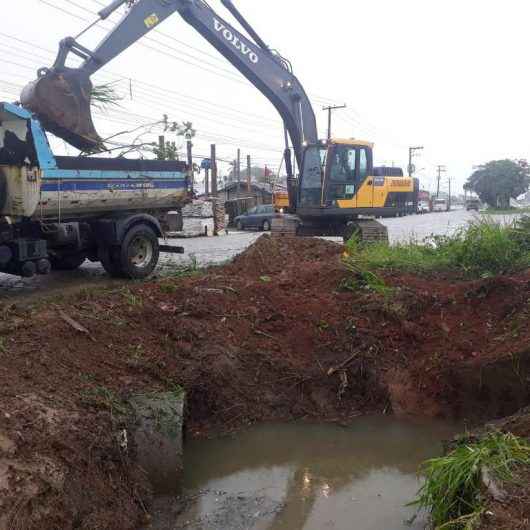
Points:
(484, 248)
(453, 489)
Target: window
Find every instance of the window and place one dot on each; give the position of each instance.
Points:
(252, 211)
(363, 165)
(343, 164)
(312, 175)
(342, 173)
(312, 168)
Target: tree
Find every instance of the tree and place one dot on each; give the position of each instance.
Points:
(167, 149)
(499, 181)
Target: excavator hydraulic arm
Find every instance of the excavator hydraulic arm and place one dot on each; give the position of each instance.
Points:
(61, 95)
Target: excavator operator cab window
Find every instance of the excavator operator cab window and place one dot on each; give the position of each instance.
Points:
(349, 166)
(312, 176)
(342, 173)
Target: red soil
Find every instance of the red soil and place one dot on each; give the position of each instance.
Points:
(272, 335)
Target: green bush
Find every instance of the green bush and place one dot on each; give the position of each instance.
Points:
(484, 248)
(453, 487)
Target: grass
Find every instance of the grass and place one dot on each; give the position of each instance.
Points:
(453, 489)
(512, 210)
(484, 248)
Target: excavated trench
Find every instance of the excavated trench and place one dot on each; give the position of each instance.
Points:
(275, 336)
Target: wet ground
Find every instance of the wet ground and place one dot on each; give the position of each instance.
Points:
(213, 251)
(305, 477)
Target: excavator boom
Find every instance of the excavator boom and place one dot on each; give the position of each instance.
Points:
(61, 96)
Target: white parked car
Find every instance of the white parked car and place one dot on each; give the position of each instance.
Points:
(424, 207)
(439, 205)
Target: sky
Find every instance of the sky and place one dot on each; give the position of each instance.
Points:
(450, 76)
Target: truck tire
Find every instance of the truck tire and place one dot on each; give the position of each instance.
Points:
(266, 226)
(136, 257)
(68, 262)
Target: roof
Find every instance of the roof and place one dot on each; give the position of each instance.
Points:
(352, 141)
(243, 186)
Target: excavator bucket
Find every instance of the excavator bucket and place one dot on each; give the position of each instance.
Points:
(61, 101)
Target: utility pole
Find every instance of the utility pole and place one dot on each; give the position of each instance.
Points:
(206, 182)
(449, 201)
(249, 175)
(412, 153)
(189, 151)
(441, 169)
(215, 176)
(238, 170)
(329, 110)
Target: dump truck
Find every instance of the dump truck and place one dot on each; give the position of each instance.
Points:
(58, 211)
(334, 192)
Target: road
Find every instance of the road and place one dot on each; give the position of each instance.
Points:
(214, 251)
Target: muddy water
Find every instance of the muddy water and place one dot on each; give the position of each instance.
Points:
(310, 477)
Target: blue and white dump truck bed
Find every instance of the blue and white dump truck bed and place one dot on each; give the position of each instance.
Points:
(57, 211)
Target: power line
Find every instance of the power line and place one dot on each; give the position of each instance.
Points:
(151, 87)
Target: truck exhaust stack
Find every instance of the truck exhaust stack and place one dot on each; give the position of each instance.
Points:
(61, 101)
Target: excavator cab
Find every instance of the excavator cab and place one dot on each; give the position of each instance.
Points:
(61, 99)
(334, 172)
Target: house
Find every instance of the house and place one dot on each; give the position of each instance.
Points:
(261, 193)
(238, 199)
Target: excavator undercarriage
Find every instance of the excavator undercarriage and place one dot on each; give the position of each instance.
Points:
(367, 230)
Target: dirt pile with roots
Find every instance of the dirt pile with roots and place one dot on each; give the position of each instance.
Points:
(283, 332)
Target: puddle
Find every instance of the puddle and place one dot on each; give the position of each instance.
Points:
(304, 477)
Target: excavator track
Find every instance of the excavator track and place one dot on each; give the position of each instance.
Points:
(368, 230)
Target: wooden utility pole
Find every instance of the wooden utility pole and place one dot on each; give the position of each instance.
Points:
(206, 182)
(412, 152)
(189, 151)
(249, 175)
(449, 201)
(441, 169)
(215, 176)
(238, 170)
(329, 110)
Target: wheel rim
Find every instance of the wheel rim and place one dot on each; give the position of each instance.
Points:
(266, 226)
(141, 252)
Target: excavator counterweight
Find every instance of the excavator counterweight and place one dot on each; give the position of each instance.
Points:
(61, 99)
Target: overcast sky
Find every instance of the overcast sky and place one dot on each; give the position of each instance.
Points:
(451, 76)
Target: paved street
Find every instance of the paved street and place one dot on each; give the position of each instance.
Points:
(212, 251)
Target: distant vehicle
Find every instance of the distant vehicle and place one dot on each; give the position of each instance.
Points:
(473, 204)
(424, 207)
(259, 218)
(439, 205)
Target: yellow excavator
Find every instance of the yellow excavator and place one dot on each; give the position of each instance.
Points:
(337, 191)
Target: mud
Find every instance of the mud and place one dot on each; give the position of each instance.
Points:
(272, 336)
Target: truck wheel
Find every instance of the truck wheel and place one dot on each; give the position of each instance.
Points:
(239, 226)
(68, 262)
(266, 226)
(138, 253)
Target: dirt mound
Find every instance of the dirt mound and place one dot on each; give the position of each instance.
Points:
(278, 334)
